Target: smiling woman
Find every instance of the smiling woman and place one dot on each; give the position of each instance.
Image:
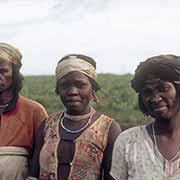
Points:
(159, 98)
(152, 151)
(76, 143)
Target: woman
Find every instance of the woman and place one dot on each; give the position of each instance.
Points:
(75, 144)
(152, 151)
(20, 117)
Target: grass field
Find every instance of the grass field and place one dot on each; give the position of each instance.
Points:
(116, 98)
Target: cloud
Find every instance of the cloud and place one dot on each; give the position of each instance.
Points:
(118, 34)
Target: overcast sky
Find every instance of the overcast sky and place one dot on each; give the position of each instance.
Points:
(118, 34)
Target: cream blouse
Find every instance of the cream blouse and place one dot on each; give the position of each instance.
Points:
(136, 158)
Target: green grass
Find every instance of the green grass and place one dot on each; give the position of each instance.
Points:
(116, 97)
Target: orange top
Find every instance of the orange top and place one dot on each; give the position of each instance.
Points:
(18, 127)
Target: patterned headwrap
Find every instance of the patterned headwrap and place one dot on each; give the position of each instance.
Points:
(10, 53)
(78, 63)
(164, 67)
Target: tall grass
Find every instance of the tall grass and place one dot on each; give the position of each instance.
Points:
(116, 97)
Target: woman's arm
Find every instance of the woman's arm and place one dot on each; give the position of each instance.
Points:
(34, 164)
(114, 131)
(119, 165)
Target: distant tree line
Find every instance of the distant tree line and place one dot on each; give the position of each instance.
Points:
(116, 97)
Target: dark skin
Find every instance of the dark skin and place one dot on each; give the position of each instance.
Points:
(162, 103)
(76, 92)
(6, 80)
(6, 73)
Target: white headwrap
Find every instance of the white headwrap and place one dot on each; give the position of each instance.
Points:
(10, 53)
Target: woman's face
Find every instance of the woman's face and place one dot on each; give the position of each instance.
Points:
(6, 75)
(75, 91)
(160, 99)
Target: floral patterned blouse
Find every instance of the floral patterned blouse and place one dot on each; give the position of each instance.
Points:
(136, 158)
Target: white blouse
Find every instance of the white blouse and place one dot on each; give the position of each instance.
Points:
(136, 158)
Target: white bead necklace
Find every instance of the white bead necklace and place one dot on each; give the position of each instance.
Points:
(77, 130)
(4, 105)
(79, 117)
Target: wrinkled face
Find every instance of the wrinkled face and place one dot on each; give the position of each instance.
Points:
(75, 91)
(160, 99)
(6, 73)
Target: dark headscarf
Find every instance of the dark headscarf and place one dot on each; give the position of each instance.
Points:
(164, 67)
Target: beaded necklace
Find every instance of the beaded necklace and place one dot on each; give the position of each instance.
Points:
(3, 105)
(77, 119)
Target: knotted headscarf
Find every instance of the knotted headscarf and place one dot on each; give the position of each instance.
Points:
(10, 53)
(164, 67)
(72, 63)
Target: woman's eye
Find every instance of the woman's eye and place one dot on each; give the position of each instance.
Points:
(2, 71)
(81, 84)
(164, 88)
(146, 92)
(64, 86)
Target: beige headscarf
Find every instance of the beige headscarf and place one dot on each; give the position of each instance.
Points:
(10, 53)
(74, 63)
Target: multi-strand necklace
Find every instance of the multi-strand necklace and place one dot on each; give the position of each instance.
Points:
(77, 119)
(170, 171)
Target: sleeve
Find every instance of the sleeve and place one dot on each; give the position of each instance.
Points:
(34, 164)
(114, 131)
(119, 166)
(39, 115)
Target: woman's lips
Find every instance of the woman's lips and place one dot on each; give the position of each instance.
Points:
(73, 102)
(159, 109)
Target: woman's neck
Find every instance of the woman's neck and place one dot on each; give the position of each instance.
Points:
(169, 127)
(77, 113)
(6, 97)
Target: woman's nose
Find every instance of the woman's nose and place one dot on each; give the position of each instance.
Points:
(156, 98)
(72, 90)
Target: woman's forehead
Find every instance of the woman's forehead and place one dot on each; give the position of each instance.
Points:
(75, 75)
(155, 82)
(5, 62)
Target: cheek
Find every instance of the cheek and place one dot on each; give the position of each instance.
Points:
(61, 97)
(145, 105)
(172, 99)
(175, 103)
(145, 101)
(8, 79)
(9, 75)
(89, 95)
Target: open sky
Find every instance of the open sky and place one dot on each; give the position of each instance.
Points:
(118, 34)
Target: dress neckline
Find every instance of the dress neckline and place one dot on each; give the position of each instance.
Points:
(170, 167)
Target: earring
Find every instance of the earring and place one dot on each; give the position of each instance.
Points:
(95, 98)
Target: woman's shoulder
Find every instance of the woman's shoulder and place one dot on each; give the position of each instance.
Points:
(53, 117)
(104, 116)
(132, 130)
(114, 125)
(55, 114)
(130, 135)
